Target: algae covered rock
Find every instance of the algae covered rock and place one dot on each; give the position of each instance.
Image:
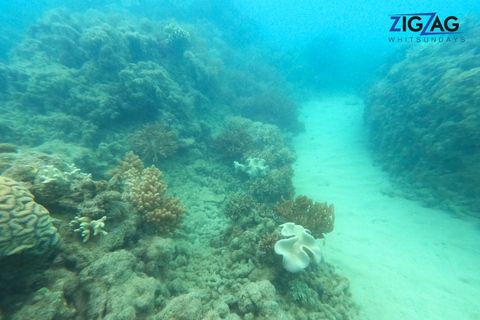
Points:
(25, 226)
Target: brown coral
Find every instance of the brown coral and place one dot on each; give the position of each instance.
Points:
(267, 242)
(319, 218)
(154, 142)
(131, 161)
(147, 194)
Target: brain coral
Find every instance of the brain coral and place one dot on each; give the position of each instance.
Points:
(24, 224)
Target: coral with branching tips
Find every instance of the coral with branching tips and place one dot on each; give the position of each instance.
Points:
(24, 225)
(267, 242)
(86, 225)
(154, 142)
(131, 161)
(319, 218)
(146, 191)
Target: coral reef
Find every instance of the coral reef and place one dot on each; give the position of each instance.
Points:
(319, 218)
(88, 227)
(254, 167)
(154, 142)
(296, 247)
(146, 191)
(78, 88)
(25, 226)
(423, 121)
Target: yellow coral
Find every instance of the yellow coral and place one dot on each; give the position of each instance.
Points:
(131, 161)
(147, 194)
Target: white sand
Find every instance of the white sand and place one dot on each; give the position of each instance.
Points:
(404, 261)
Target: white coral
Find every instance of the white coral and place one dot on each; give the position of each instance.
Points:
(297, 246)
(255, 167)
(86, 225)
(50, 174)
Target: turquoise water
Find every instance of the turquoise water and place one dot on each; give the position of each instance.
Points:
(238, 160)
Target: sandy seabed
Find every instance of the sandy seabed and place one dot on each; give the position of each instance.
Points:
(403, 260)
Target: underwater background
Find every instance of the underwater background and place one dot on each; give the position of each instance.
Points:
(238, 160)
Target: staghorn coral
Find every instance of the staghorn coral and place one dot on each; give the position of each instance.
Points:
(146, 191)
(153, 142)
(319, 218)
(24, 225)
(131, 161)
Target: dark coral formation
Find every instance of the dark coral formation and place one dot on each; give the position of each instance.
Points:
(235, 141)
(271, 107)
(153, 142)
(317, 217)
(424, 123)
(238, 206)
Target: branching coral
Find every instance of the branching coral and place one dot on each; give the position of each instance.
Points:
(131, 161)
(146, 191)
(86, 225)
(319, 218)
(154, 142)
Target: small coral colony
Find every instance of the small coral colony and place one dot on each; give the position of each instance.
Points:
(137, 104)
